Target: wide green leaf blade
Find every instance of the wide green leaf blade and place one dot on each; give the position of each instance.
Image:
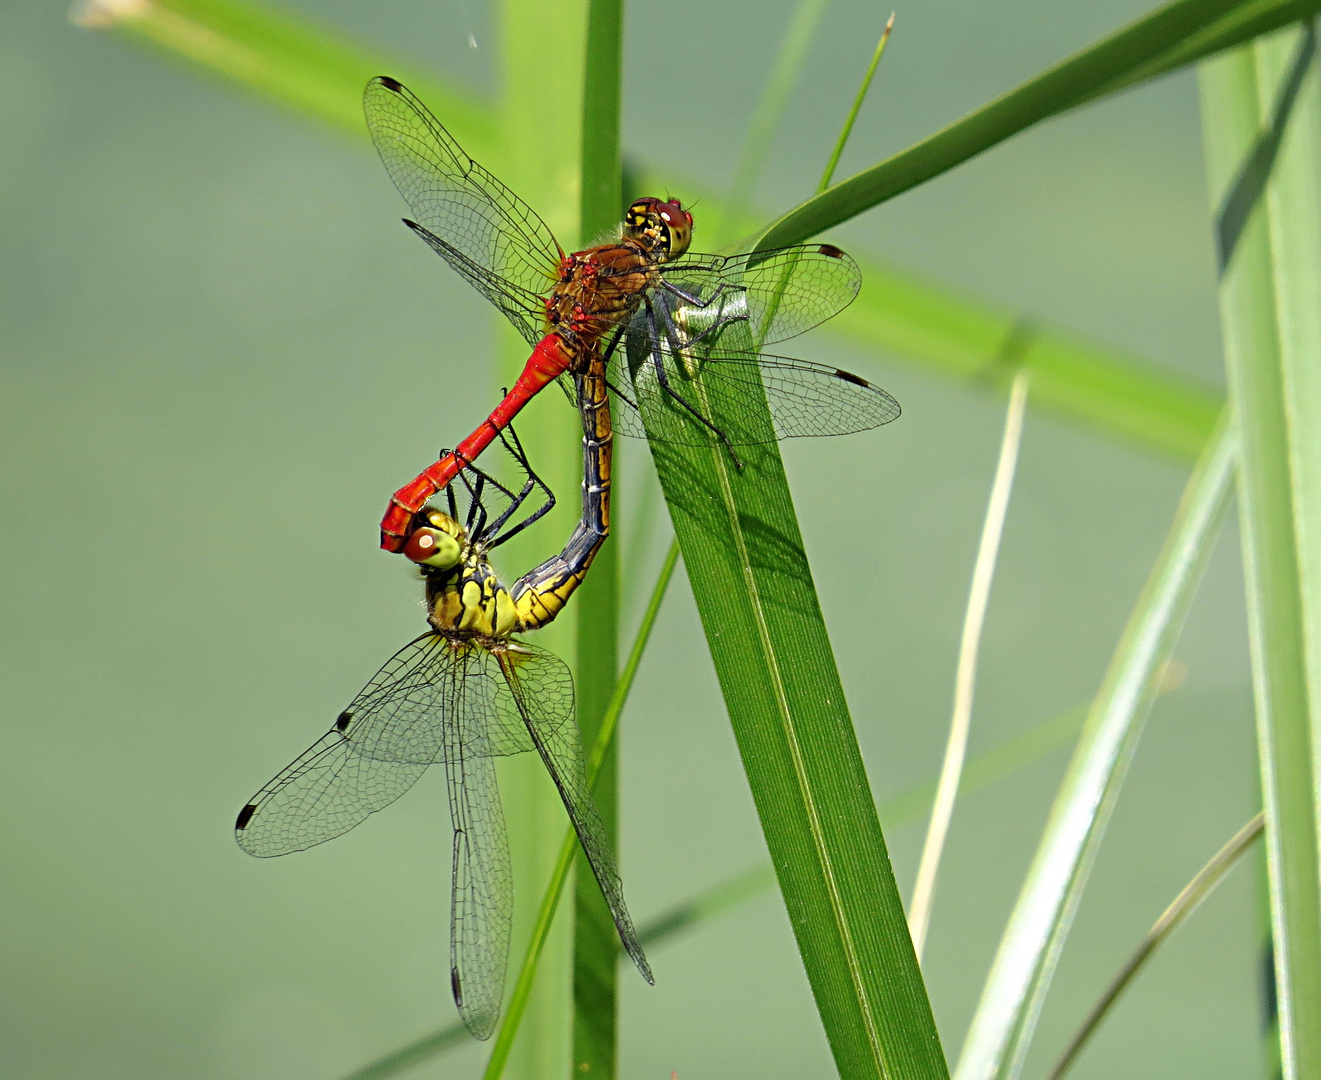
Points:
(1029, 951)
(754, 592)
(1262, 123)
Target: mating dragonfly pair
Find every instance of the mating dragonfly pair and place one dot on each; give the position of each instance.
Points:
(666, 332)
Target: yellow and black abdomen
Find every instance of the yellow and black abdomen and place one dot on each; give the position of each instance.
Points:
(540, 595)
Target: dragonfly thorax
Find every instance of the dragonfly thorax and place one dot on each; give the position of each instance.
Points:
(600, 287)
(469, 601)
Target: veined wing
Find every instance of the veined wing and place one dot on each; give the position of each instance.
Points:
(777, 294)
(804, 398)
(482, 898)
(432, 702)
(524, 309)
(457, 201)
(377, 749)
(392, 730)
(541, 695)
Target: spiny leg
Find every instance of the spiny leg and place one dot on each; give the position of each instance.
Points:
(658, 362)
(533, 481)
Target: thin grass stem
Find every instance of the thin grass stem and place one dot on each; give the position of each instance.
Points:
(595, 973)
(847, 130)
(956, 748)
(1183, 905)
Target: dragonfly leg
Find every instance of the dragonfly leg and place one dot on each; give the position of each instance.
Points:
(615, 339)
(712, 331)
(621, 395)
(658, 362)
(449, 492)
(664, 380)
(533, 481)
(476, 523)
(693, 298)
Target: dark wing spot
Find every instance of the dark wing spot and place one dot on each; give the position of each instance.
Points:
(848, 376)
(389, 83)
(456, 987)
(830, 251)
(343, 722)
(245, 815)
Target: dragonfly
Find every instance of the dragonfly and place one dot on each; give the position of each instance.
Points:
(463, 694)
(643, 289)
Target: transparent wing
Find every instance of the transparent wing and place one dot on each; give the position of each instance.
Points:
(805, 399)
(524, 309)
(482, 905)
(479, 223)
(542, 696)
(432, 702)
(777, 294)
(377, 749)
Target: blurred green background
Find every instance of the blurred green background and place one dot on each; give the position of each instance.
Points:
(221, 351)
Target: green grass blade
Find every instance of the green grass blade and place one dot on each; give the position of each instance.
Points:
(1242, 24)
(1092, 73)
(984, 770)
(900, 313)
(1006, 1016)
(829, 173)
(1262, 121)
(595, 943)
(1189, 899)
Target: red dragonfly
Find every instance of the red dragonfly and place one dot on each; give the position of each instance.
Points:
(667, 307)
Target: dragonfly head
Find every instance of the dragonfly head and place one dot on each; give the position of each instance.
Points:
(662, 226)
(438, 541)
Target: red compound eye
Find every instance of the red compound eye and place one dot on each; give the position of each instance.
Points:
(421, 545)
